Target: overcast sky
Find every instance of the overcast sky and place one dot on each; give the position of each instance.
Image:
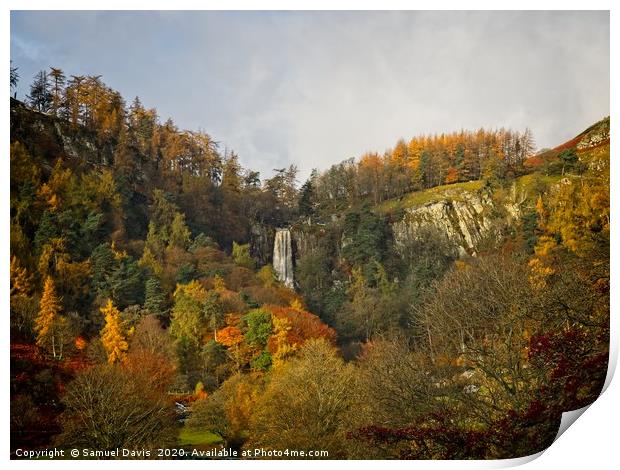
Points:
(314, 88)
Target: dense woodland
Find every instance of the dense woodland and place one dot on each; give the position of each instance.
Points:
(136, 283)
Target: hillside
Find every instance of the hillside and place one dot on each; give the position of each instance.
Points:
(446, 299)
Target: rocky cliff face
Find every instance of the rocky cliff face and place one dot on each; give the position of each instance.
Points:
(261, 243)
(468, 220)
(305, 240)
(595, 135)
(51, 137)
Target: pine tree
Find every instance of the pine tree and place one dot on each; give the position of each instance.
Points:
(47, 322)
(154, 298)
(112, 335)
(307, 196)
(40, 97)
(14, 77)
(58, 82)
(103, 265)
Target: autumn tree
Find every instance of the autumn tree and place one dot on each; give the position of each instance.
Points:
(109, 407)
(152, 353)
(267, 275)
(362, 316)
(228, 411)
(393, 384)
(180, 236)
(293, 326)
(306, 403)
(279, 345)
(58, 82)
(112, 335)
(187, 317)
(232, 173)
(23, 305)
(49, 324)
(231, 337)
(241, 255)
(452, 176)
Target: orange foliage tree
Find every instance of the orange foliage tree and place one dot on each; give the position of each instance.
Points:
(300, 326)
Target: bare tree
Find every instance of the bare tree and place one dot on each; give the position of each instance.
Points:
(109, 407)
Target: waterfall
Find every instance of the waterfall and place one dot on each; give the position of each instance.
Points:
(283, 257)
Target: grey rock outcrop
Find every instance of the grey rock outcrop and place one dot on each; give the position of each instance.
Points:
(468, 220)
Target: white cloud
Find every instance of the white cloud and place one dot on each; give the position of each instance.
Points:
(313, 88)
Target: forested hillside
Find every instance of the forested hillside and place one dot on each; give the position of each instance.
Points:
(449, 298)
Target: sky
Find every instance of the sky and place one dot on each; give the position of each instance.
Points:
(315, 88)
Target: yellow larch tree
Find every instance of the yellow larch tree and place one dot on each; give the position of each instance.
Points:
(20, 279)
(279, 346)
(112, 335)
(48, 319)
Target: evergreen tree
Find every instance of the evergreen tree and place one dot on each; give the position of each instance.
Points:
(14, 77)
(40, 97)
(127, 283)
(102, 266)
(569, 159)
(180, 236)
(307, 196)
(187, 273)
(154, 298)
(259, 327)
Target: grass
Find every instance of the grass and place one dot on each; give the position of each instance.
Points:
(419, 198)
(197, 438)
(531, 184)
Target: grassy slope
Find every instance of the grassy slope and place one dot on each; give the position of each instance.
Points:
(528, 183)
(197, 438)
(418, 198)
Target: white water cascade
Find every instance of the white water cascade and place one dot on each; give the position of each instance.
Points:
(283, 257)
